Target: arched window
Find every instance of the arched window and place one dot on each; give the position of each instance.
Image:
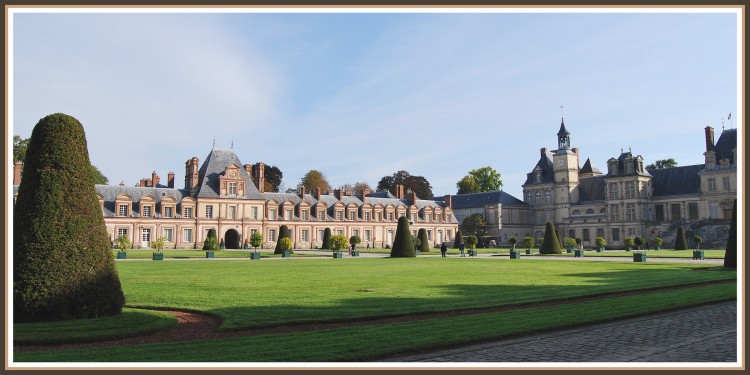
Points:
(547, 197)
(589, 212)
(576, 212)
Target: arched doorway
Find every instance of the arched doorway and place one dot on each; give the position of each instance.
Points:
(232, 239)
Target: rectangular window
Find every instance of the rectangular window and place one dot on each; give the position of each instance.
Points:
(167, 211)
(122, 232)
(187, 212)
(377, 216)
(146, 236)
(367, 216)
(390, 216)
(367, 235)
(586, 235)
(631, 232)
(676, 211)
(232, 189)
(692, 211)
(209, 212)
(711, 184)
(338, 215)
(614, 213)
(615, 234)
(572, 233)
(630, 212)
(600, 232)
(287, 214)
(321, 234)
(713, 208)
(232, 214)
(355, 232)
(429, 235)
(187, 235)
(339, 231)
(272, 214)
(122, 210)
(725, 181)
(303, 214)
(659, 212)
(614, 191)
(631, 189)
(146, 212)
(539, 218)
(351, 215)
(321, 215)
(449, 234)
(254, 212)
(304, 235)
(414, 218)
(168, 237)
(272, 235)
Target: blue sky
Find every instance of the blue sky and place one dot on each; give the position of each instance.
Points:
(360, 96)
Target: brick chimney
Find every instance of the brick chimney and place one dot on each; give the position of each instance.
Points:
(337, 194)
(411, 197)
(17, 167)
(302, 191)
(399, 191)
(709, 138)
(448, 201)
(317, 193)
(155, 179)
(575, 150)
(543, 151)
(170, 180)
(365, 191)
(191, 173)
(260, 178)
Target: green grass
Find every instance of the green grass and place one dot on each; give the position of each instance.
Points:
(365, 343)
(664, 253)
(247, 294)
(132, 322)
(201, 254)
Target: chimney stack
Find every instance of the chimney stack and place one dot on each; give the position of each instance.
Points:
(155, 179)
(412, 198)
(399, 191)
(709, 138)
(302, 192)
(259, 177)
(17, 167)
(249, 170)
(575, 150)
(543, 151)
(365, 191)
(337, 193)
(448, 201)
(317, 193)
(170, 180)
(191, 173)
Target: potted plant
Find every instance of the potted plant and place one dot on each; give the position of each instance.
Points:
(354, 241)
(286, 247)
(600, 244)
(638, 242)
(698, 253)
(528, 243)
(471, 242)
(338, 242)
(124, 244)
(579, 243)
(657, 242)
(569, 243)
(629, 243)
(639, 256)
(512, 242)
(158, 245)
(256, 240)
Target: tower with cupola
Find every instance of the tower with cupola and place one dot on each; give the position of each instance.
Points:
(565, 167)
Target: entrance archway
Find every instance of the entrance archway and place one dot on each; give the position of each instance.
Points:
(232, 239)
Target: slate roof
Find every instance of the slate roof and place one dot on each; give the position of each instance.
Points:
(726, 143)
(213, 167)
(562, 131)
(677, 180)
(588, 167)
(623, 159)
(481, 199)
(591, 189)
(548, 173)
(110, 193)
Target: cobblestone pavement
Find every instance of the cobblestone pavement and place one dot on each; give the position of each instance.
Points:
(701, 334)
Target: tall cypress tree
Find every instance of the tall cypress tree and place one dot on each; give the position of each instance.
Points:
(680, 243)
(458, 240)
(424, 243)
(730, 256)
(63, 267)
(550, 245)
(284, 232)
(326, 239)
(403, 246)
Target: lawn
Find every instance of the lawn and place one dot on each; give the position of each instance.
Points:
(200, 254)
(247, 294)
(252, 294)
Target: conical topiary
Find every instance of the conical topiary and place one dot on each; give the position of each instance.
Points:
(210, 243)
(403, 246)
(326, 239)
(730, 256)
(550, 245)
(62, 262)
(424, 244)
(284, 232)
(680, 243)
(458, 240)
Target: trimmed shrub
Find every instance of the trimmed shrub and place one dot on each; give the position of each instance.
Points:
(338, 242)
(326, 239)
(638, 242)
(513, 241)
(256, 240)
(471, 241)
(403, 246)
(628, 241)
(355, 240)
(528, 242)
(458, 240)
(698, 240)
(63, 267)
(680, 243)
(730, 256)
(158, 244)
(284, 232)
(285, 244)
(423, 243)
(123, 243)
(208, 244)
(600, 242)
(657, 242)
(550, 244)
(569, 242)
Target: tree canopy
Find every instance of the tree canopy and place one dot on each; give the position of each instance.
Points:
(314, 179)
(474, 224)
(356, 188)
(480, 180)
(663, 163)
(272, 176)
(417, 184)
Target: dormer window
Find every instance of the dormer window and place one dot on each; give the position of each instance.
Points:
(232, 188)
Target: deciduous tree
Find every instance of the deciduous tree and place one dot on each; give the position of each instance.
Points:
(480, 180)
(417, 184)
(661, 164)
(314, 179)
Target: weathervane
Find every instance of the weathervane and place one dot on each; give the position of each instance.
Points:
(214, 144)
(562, 114)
